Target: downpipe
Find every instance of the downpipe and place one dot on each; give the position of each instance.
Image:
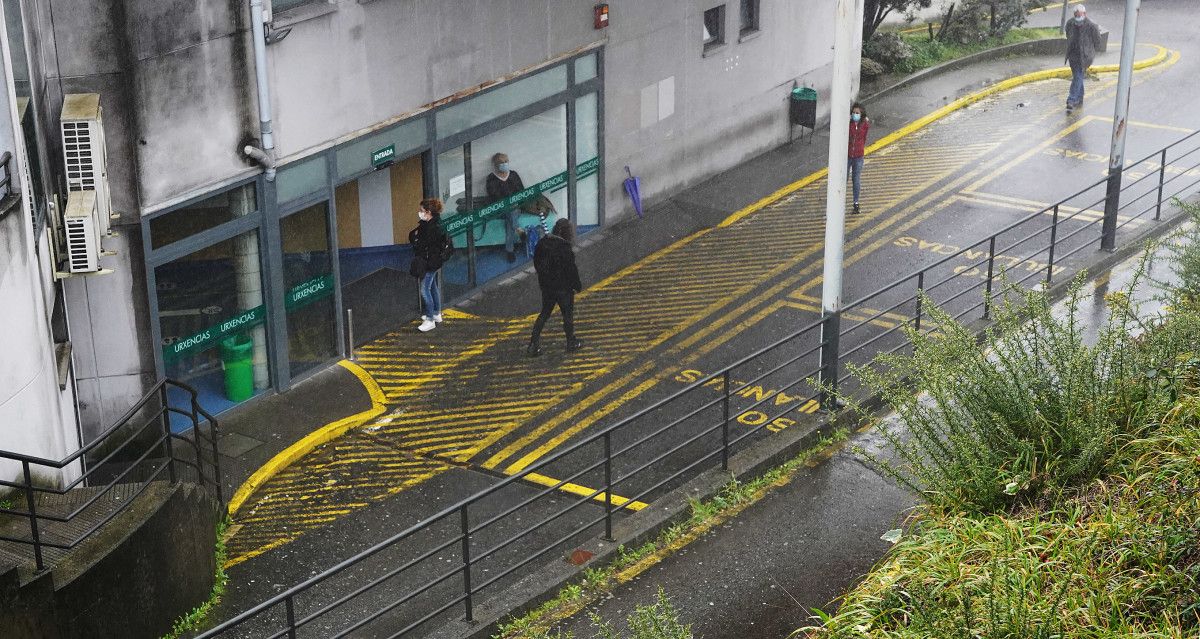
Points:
(264, 156)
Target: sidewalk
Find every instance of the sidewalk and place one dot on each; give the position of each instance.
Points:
(760, 575)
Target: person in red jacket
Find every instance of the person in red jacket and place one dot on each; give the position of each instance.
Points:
(859, 125)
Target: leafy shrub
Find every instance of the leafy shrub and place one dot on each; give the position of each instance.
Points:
(887, 48)
(871, 68)
(1040, 408)
(977, 20)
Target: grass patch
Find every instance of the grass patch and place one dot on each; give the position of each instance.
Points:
(706, 514)
(928, 53)
(196, 619)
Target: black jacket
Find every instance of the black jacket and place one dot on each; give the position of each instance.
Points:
(498, 189)
(428, 242)
(554, 260)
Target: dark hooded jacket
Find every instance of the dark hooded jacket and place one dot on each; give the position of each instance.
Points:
(554, 260)
(1082, 40)
(429, 243)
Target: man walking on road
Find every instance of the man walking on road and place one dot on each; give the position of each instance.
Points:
(1083, 36)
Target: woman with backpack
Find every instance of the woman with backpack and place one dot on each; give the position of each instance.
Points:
(431, 248)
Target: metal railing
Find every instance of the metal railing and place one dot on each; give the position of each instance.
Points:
(484, 542)
(113, 470)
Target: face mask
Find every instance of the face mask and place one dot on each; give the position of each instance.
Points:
(503, 168)
(855, 117)
(1080, 19)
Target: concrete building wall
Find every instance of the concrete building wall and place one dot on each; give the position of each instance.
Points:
(32, 416)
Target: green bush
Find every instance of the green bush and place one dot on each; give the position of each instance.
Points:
(1041, 407)
(888, 49)
(659, 620)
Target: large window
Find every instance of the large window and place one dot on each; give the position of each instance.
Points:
(309, 289)
(750, 17)
(284, 5)
(212, 319)
(505, 99)
(714, 28)
(587, 158)
(201, 216)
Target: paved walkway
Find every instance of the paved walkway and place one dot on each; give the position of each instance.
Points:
(441, 414)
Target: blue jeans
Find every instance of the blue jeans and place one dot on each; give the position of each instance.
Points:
(1075, 95)
(855, 165)
(430, 294)
(510, 230)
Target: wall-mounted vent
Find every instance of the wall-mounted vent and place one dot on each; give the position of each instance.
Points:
(84, 153)
(82, 230)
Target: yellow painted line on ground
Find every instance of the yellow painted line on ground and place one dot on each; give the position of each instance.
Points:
(1065, 212)
(1150, 125)
(557, 440)
(306, 444)
(921, 123)
(584, 491)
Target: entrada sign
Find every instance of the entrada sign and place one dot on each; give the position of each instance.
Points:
(383, 156)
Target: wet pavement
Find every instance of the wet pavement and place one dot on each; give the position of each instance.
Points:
(671, 299)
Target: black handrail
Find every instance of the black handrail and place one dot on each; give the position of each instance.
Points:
(150, 459)
(828, 334)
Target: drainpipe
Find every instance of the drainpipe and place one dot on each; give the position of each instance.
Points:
(266, 155)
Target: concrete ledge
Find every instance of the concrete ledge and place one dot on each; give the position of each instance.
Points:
(1032, 47)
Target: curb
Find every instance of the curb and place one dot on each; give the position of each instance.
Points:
(1029, 47)
(309, 442)
(1059, 72)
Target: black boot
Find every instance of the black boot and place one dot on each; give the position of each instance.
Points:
(534, 350)
(574, 344)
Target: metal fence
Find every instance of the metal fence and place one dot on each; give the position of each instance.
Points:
(484, 543)
(110, 473)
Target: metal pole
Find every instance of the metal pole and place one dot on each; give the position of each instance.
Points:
(1162, 172)
(31, 503)
(168, 446)
(290, 612)
(1062, 24)
(1116, 158)
(259, 35)
(847, 18)
(608, 489)
(1053, 240)
(350, 330)
(987, 296)
(725, 423)
(920, 298)
(466, 559)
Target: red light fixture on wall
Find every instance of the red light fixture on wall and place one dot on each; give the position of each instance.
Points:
(601, 15)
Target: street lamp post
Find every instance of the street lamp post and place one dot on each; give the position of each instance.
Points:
(1116, 157)
(847, 18)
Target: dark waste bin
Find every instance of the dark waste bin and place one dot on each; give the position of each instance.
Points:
(237, 358)
(802, 107)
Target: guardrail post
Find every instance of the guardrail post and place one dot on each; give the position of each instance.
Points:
(1162, 170)
(608, 487)
(216, 461)
(725, 423)
(290, 609)
(920, 295)
(466, 557)
(165, 418)
(987, 296)
(196, 443)
(831, 327)
(1053, 239)
(33, 523)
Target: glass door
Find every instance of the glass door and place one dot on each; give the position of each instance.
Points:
(309, 289)
(454, 189)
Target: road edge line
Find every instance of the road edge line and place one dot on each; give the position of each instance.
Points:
(930, 118)
(310, 441)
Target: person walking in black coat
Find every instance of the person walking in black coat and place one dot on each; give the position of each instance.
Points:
(431, 247)
(558, 277)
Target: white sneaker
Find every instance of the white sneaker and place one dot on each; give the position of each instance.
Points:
(426, 326)
(424, 318)
(436, 318)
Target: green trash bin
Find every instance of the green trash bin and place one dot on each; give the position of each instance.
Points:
(237, 358)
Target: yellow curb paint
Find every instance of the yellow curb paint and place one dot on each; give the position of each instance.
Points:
(584, 491)
(313, 439)
(921, 123)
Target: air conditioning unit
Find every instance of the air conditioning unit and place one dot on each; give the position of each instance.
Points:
(81, 227)
(84, 152)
